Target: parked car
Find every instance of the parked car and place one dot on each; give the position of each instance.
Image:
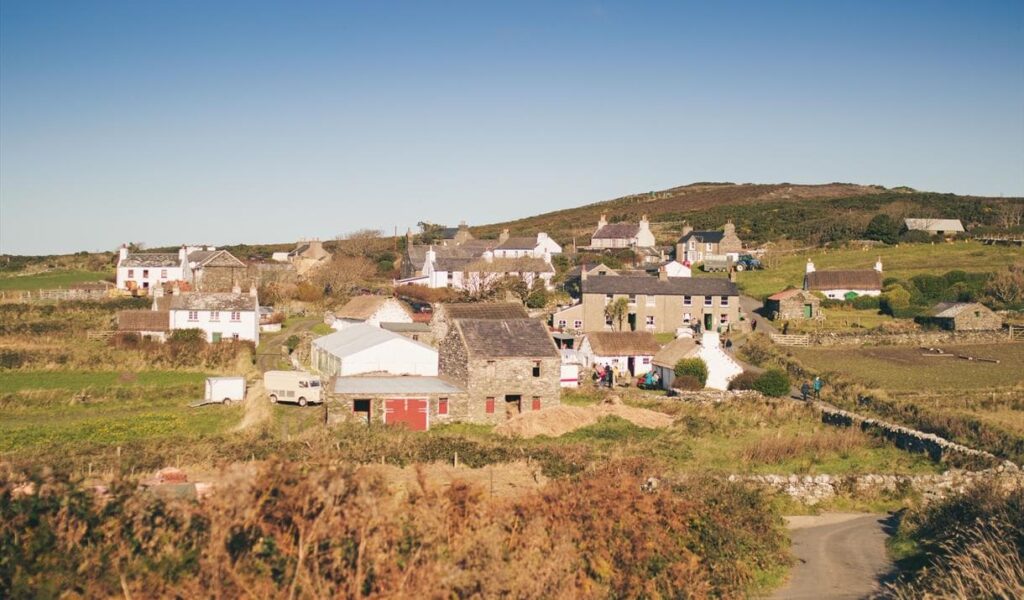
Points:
(299, 387)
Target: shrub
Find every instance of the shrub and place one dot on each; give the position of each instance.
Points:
(292, 343)
(773, 382)
(692, 367)
(883, 228)
(743, 381)
(916, 237)
(687, 383)
(894, 299)
(865, 303)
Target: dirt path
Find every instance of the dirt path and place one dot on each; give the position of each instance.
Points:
(838, 555)
(268, 354)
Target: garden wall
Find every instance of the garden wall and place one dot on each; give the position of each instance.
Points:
(922, 338)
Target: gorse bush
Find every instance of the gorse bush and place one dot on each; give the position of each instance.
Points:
(692, 367)
(773, 382)
(329, 531)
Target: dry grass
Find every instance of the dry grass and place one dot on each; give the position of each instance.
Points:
(779, 449)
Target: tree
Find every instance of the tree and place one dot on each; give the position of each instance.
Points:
(1007, 287)
(343, 273)
(894, 299)
(430, 232)
(617, 311)
(362, 242)
(538, 297)
(692, 367)
(773, 382)
(1010, 214)
(883, 228)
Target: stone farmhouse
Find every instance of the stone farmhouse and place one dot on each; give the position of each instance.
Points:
(518, 247)
(372, 310)
(220, 315)
(148, 324)
(793, 304)
(470, 266)
(622, 235)
(363, 349)
(212, 270)
(656, 304)
(625, 351)
(844, 284)
(203, 268)
(943, 227)
(446, 314)
(307, 256)
(964, 316)
(506, 366)
(694, 246)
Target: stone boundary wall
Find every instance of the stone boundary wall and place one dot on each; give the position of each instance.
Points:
(813, 489)
(922, 338)
(712, 396)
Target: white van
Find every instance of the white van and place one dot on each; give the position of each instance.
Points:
(292, 386)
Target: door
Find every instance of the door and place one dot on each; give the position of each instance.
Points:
(216, 336)
(408, 413)
(807, 311)
(632, 321)
(631, 365)
(709, 322)
(513, 405)
(361, 409)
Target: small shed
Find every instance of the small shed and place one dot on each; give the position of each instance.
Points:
(413, 402)
(965, 316)
(665, 360)
(625, 351)
(943, 227)
(793, 304)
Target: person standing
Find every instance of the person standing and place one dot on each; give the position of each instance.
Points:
(818, 384)
(753, 325)
(805, 390)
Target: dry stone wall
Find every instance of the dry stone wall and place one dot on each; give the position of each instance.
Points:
(922, 338)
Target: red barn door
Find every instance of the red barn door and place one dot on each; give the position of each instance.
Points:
(406, 413)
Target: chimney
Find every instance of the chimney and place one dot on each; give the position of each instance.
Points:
(122, 252)
(315, 246)
(729, 228)
(878, 264)
(644, 223)
(408, 237)
(541, 236)
(602, 221)
(662, 274)
(431, 256)
(583, 272)
(810, 266)
(252, 290)
(182, 253)
(175, 290)
(503, 237)
(687, 229)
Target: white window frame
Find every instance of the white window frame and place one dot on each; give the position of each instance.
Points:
(193, 316)
(236, 316)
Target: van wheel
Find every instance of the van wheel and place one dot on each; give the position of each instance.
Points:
(227, 401)
(739, 267)
(273, 399)
(302, 401)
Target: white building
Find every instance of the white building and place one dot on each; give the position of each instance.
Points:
(677, 269)
(145, 270)
(844, 284)
(220, 315)
(934, 226)
(449, 267)
(361, 349)
(722, 368)
(626, 351)
(518, 247)
(622, 235)
(372, 310)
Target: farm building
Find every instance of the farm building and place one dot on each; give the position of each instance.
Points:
(359, 349)
(212, 270)
(695, 246)
(793, 304)
(420, 332)
(507, 366)
(152, 324)
(665, 360)
(569, 318)
(445, 314)
(307, 256)
(626, 351)
(372, 310)
(415, 402)
(622, 235)
(844, 285)
(964, 316)
(138, 272)
(944, 227)
(220, 315)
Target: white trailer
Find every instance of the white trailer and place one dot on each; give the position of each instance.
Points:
(225, 389)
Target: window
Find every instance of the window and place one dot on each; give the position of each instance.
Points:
(724, 301)
(536, 368)
(214, 315)
(489, 406)
(708, 300)
(607, 321)
(577, 324)
(650, 320)
(632, 298)
(236, 316)
(163, 273)
(561, 323)
(442, 406)
(687, 300)
(608, 298)
(193, 315)
(535, 405)
(490, 368)
(415, 337)
(145, 273)
(647, 360)
(131, 273)
(312, 383)
(235, 337)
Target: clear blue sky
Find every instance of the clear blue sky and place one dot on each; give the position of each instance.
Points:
(224, 122)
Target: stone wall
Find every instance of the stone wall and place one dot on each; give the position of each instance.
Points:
(922, 338)
(713, 396)
(503, 377)
(813, 489)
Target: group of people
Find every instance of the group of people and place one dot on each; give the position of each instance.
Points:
(604, 376)
(812, 386)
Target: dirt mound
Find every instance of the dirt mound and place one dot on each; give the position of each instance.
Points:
(507, 480)
(559, 420)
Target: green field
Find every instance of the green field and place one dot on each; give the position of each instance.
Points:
(50, 280)
(14, 381)
(902, 368)
(902, 261)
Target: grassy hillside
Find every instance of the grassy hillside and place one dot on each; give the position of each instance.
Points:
(51, 280)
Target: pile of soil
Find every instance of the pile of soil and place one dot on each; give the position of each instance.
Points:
(507, 480)
(559, 420)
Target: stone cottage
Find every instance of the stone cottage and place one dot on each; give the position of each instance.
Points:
(965, 316)
(506, 366)
(793, 304)
(695, 246)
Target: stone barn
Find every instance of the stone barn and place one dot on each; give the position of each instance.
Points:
(506, 366)
(965, 316)
(793, 304)
(413, 402)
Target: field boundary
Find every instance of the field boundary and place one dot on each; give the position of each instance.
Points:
(791, 339)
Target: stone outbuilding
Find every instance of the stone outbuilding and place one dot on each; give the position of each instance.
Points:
(372, 310)
(965, 316)
(793, 304)
(506, 366)
(673, 352)
(625, 351)
(413, 402)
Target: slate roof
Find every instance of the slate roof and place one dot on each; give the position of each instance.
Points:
(220, 301)
(654, 286)
(704, 237)
(414, 327)
(623, 343)
(949, 310)
(150, 260)
(617, 231)
(864, 279)
(523, 264)
(143, 320)
(506, 338)
(675, 351)
(519, 243)
(485, 310)
(396, 384)
(359, 337)
(947, 225)
(204, 258)
(786, 294)
(363, 307)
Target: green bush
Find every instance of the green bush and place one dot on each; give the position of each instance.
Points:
(692, 367)
(894, 299)
(773, 382)
(292, 343)
(865, 303)
(916, 237)
(883, 228)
